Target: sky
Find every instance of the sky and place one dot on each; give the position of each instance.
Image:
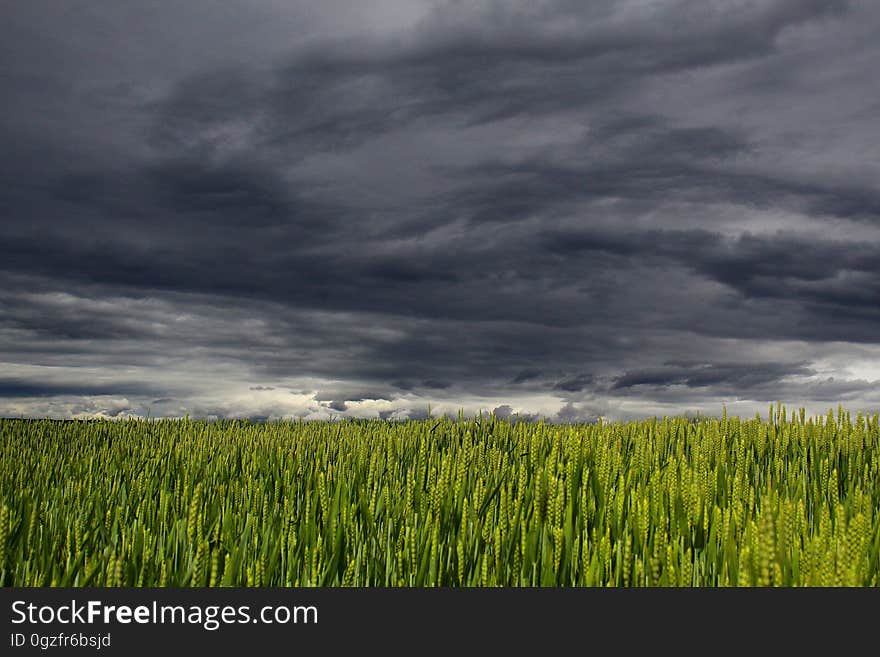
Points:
(544, 208)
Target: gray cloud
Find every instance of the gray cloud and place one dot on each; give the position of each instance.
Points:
(337, 405)
(555, 209)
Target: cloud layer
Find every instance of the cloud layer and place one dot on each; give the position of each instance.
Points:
(552, 208)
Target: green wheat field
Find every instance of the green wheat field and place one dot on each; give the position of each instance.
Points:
(783, 501)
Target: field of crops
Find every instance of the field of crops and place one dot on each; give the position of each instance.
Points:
(784, 501)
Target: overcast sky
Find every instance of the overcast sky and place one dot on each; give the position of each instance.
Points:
(566, 209)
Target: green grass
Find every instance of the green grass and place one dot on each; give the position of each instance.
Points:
(715, 502)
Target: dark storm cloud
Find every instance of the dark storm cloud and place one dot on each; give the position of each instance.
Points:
(435, 385)
(346, 393)
(834, 283)
(735, 376)
(525, 375)
(499, 205)
(574, 384)
(13, 388)
(453, 63)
